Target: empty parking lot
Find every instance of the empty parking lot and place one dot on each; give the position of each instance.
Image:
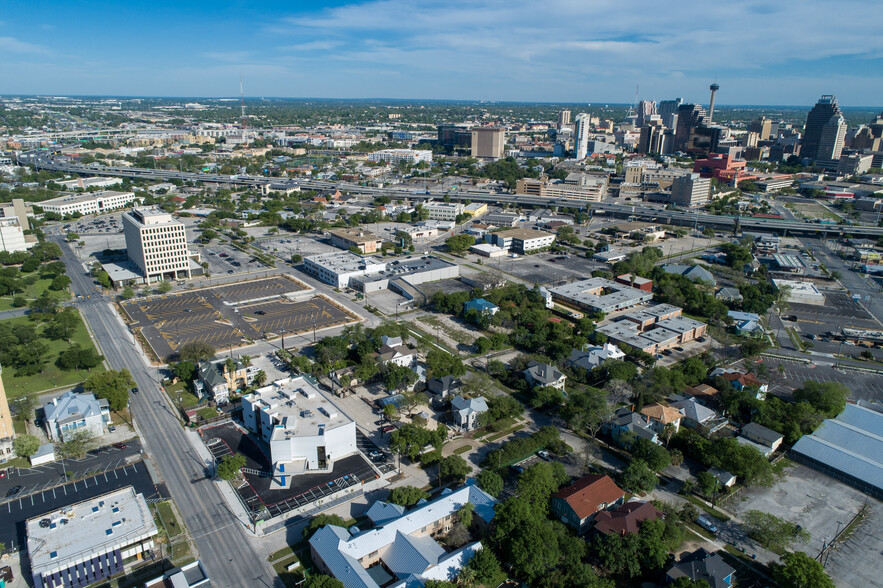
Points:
(294, 317)
(792, 375)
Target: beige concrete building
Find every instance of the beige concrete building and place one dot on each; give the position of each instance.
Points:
(488, 142)
(588, 188)
(354, 237)
(7, 433)
(156, 244)
(89, 203)
(691, 190)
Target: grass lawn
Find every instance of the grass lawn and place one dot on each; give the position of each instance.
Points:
(167, 516)
(19, 426)
(463, 449)
(712, 511)
(207, 412)
(502, 434)
(33, 291)
(52, 375)
(187, 401)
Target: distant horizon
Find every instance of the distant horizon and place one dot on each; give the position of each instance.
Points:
(717, 105)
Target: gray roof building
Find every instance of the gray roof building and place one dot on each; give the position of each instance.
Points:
(72, 412)
(600, 295)
(702, 565)
(697, 273)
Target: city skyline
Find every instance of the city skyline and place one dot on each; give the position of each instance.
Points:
(389, 49)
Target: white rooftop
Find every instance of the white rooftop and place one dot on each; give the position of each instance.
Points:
(345, 261)
(301, 410)
(94, 526)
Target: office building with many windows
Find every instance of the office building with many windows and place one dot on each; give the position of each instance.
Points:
(157, 244)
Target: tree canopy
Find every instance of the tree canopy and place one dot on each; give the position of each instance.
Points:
(112, 385)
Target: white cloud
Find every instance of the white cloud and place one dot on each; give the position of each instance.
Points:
(312, 46)
(14, 45)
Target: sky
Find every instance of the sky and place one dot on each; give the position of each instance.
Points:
(579, 51)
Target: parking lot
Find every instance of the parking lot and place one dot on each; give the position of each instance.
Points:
(256, 493)
(547, 268)
(210, 315)
(14, 513)
(792, 375)
(819, 504)
(224, 259)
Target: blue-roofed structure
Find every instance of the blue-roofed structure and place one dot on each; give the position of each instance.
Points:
(403, 547)
(481, 306)
(848, 448)
(381, 512)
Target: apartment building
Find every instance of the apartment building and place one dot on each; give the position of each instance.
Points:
(157, 244)
(361, 239)
(90, 541)
(396, 156)
(446, 211)
(90, 203)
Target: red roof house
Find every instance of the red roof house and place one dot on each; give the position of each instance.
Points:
(578, 504)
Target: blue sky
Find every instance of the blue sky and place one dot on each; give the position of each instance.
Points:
(760, 52)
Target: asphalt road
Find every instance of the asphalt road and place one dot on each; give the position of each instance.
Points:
(871, 299)
(223, 545)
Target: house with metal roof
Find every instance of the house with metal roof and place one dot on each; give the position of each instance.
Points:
(591, 357)
(72, 412)
(697, 273)
(627, 422)
(848, 448)
(761, 435)
(703, 565)
(381, 512)
(481, 306)
(544, 374)
(467, 410)
(699, 417)
(402, 551)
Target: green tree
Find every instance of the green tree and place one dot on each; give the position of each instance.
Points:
(112, 385)
(196, 351)
(829, 398)
(708, 484)
(25, 445)
(128, 293)
(441, 363)
(657, 458)
(465, 514)
(44, 303)
(322, 581)
(486, 568)
(164, 287)
(76, 445)
(799, 570)
(59, 283)
(773, 532)
(75, 357)
(459, 243)
(228, 468)
(396, 376)
(491, 482)
(537, 483)
(64, 324)
(26, 405)
(319, 521)
(586, 410)
(184, 370)
(406, 495)
(638, 477)
(454, 468)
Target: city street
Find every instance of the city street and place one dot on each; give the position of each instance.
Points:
(222, 543)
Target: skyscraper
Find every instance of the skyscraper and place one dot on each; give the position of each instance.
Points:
(488, 142)
(581, 136)
(831, 140)
(762, 126)
(563, 118)
(816, 121)
(646, 110)
(668, 110)
(689, 116)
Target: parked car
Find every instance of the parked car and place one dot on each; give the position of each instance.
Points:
(387, 429)
(706, 523)
(134, 390)
(544, 454)
(120, 445)
(111, 428)
(375, 454)
(13, 491)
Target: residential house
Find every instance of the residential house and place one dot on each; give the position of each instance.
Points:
(702, 565)
(481, 306)
(728, 294)
(578, 503)
(401, 355)
(402, 551)
(740, 381)
(626, 519)
(345, 377)
(441, 389)
(746, 323)
(662, 416)
(699, 417)
(763, 439)
(543, 374)
(591, 357)
(465, 411)
(626, 422)
(703, 392)
(73, 412)
(726, 479)
(697, 273)
(217, 379)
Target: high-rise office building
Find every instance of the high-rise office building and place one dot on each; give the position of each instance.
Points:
(831, 139)
(156, 243)
(870, 137)
(816, 121)
(668, 110)
(7, 433)
(646, 110)
(563, 118)
(690, 116)
(581, 136)
(488, 142)
(762, 126)
(451, 135)
(690, 190)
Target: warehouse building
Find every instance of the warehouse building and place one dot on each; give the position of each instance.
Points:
(410, 271)
(354, 237)
(338, 268)
(522, 240)
(802, 292)
(848, 448)
(89, 541)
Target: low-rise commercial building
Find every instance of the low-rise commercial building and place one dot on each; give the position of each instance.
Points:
(90, 203)
(355, 237)
(12, 236)
(94, 182)
(446, 211)
(654, 329)
(303, 430)
(475, 209)
(801, 292)
(397, 275)
(600, 295)
(339, 268)
(396, 156)
(72, 412)
(90, 541)
(522, 240)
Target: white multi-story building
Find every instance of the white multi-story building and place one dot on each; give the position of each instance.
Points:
(12, 236)
(90, 203)
(581, 135)
(85, 543)
(338, 268)
(444, 210)
(84, 183)
(156, 244)
(412, 156)
(521, 240)
(71, 413)
(303, 429)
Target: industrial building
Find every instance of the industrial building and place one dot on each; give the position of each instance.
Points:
(90, 541)
(522, 240)
(403, 550)
(303, 430)
(848, 448)
(802, 292)
(157, 244)
(398, 275)
(600, 295)
(338, 268)
(355, 237)
(90, 203)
